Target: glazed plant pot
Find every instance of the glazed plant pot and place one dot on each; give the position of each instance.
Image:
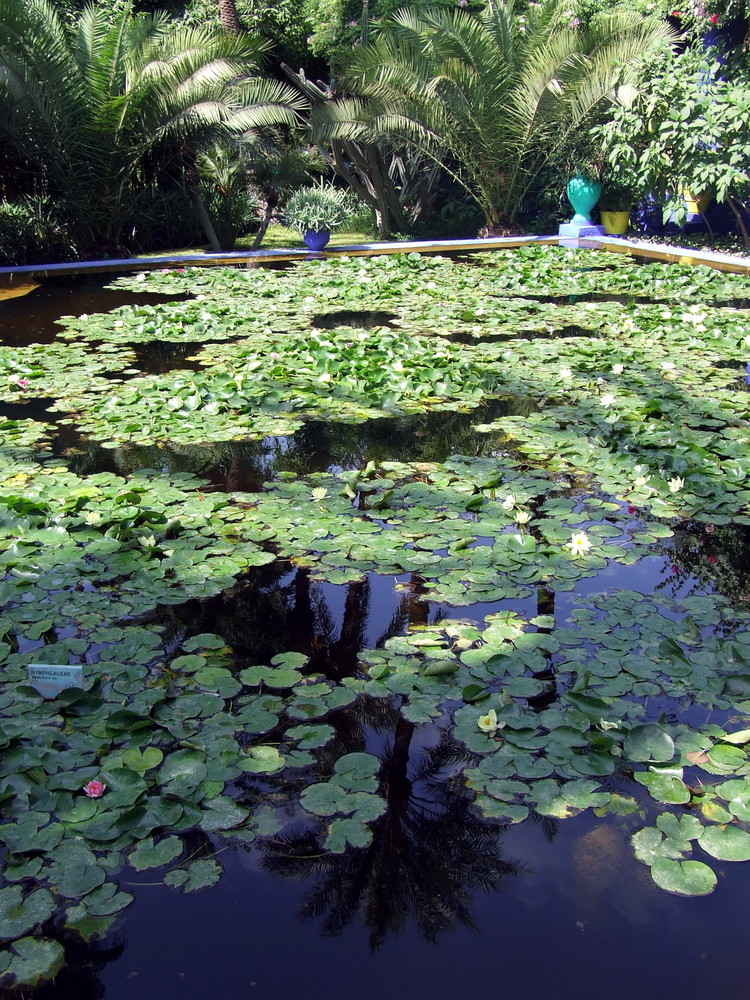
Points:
(615, 223)
(698, 202)
(583, 194)
(316, 239)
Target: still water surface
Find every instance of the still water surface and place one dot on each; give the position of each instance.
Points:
(566, 912)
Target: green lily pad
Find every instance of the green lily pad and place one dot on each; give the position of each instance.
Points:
(34, 961)
(647, 743)
(728, 843)
(151, 854)
(200, 874)
(20, 914)
(683, 878)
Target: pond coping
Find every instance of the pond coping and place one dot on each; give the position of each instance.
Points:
(263, 256)
(653, 251)
(665, 252)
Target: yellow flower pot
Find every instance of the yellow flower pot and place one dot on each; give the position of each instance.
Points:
(699, 202)
(615, 223)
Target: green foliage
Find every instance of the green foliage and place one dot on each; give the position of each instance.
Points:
(318, 209)
(225, 174)
(285, 24)
(29, 233)
(100, 110)
(684, 129)
(496, 88)
(623, 448)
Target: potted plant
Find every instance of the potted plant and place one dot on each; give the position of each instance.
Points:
(316, 211)
(617, 199)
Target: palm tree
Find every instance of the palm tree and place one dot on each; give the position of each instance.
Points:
(493, 96)
(97, 113)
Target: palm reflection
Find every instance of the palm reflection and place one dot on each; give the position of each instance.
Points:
(429, 850)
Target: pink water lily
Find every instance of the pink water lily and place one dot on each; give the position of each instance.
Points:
(94, 788)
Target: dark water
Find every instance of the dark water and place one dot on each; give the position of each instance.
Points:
(31, 318)
(443, 906)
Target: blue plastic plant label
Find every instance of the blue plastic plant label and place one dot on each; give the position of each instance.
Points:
(51, 678)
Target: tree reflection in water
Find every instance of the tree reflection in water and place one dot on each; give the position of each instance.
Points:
(429, 850)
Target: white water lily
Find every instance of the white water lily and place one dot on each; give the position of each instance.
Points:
(618, 369)
(565, 373)
(509, 502)
(522, 517)
(641, 481)
(319, 493)
(579, 544)
(147, 541)
(92, 517)
(607, 399)
(676, 484)
(488, 723)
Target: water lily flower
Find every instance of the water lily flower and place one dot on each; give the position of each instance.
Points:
(509, 502)
(607, 399)
(522, 517)
(618, 369)
(92, 517)
(488, 723)
(676, 484)
(641, 481)
(94, 788)
(579, 544)
(24, 383)
(147, 541)
(565, 373)
(319, 493)
(274, 356)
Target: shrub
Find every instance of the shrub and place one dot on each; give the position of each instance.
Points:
(318, 209)
(30, 233)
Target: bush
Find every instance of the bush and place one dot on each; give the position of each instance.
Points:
(30, 233)
(318, 209)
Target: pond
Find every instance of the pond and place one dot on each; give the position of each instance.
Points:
(410, 601)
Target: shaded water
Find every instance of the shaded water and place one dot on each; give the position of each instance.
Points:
(443, 905)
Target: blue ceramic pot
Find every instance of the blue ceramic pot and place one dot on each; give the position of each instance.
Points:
(583, 194)
(316, 240)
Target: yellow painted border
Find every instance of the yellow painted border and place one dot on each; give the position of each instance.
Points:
(670, 255)
(676, 255)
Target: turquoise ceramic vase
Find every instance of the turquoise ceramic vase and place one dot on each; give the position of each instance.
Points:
(583, 194)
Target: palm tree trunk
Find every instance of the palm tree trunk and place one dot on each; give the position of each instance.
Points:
(230, 19)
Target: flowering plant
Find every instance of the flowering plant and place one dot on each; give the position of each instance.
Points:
(94, 788)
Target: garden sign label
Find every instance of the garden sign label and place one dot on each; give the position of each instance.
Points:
(51, 678)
